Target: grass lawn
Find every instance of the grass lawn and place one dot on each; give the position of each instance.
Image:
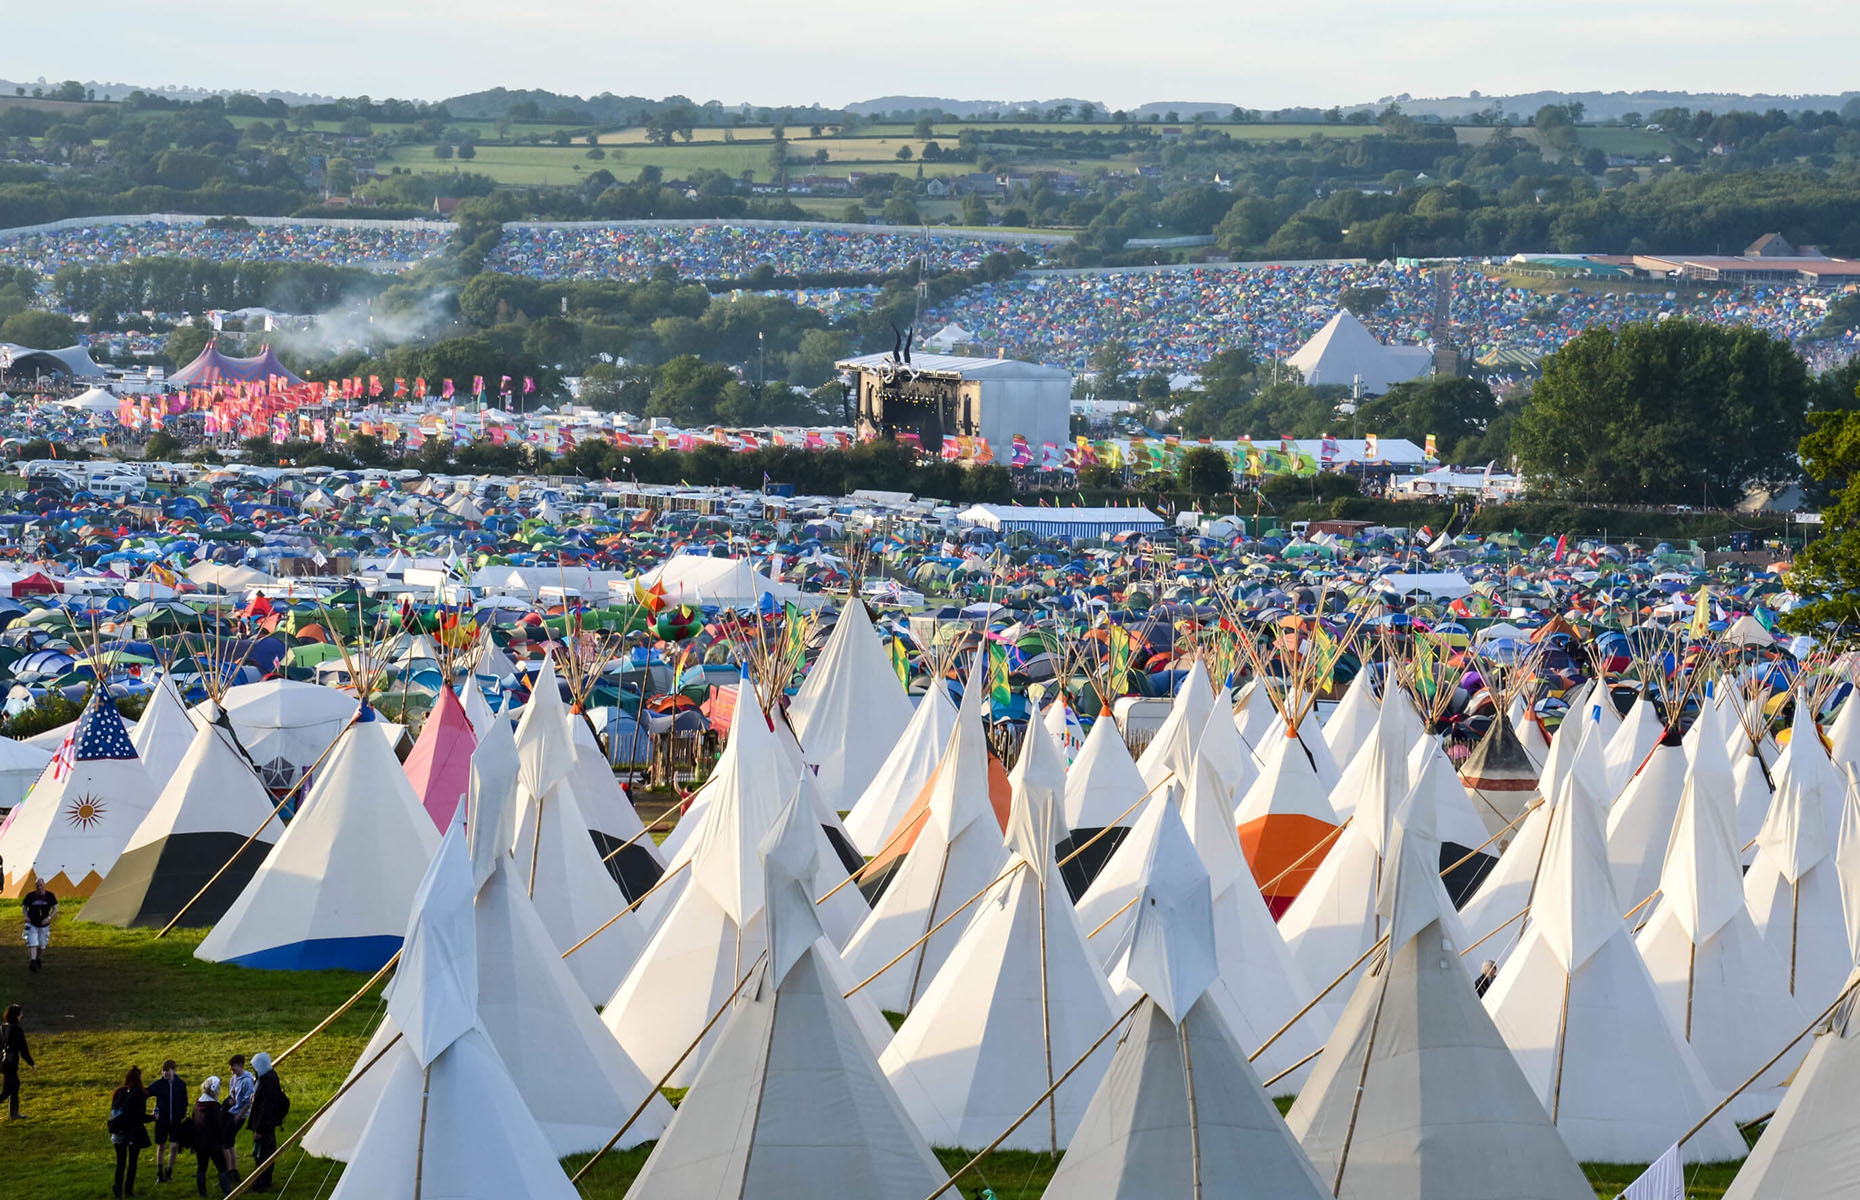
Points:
(109, 999)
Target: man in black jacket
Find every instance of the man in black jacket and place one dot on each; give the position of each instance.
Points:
(171, 1110)
(269, 1107)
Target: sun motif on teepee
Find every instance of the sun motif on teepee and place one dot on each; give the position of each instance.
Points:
(85, 811)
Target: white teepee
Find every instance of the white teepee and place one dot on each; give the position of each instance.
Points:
(1416, 1095)
(850, 710)
(907, 768)
(448, 1121)
(1180, 1112)
(1018, 1000)
(164, 733)
(1584, 1018)
(1724, 989)
(1794, 886)
(86, 805)
(791, 1104)
(336, 889)
(527, 1002)
(957, 853)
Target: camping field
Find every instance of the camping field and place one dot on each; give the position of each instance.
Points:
(110, 999)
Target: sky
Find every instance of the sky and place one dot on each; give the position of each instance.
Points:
(1261, 55)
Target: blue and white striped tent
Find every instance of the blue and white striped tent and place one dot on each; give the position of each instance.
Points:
(1060, 522)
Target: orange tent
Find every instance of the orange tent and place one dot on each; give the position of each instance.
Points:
(1000, 795)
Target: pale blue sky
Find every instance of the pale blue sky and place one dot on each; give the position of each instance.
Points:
(1264, 55)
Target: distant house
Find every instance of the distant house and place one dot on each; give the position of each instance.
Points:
(938, 187)
(1172, 133)
(445, 206)
(977, 183)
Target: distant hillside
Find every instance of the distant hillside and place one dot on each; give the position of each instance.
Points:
(1606, 106)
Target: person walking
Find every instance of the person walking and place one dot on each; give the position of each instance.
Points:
(240, 1085)
(13, 1051)
(269, 1108)
(38, 907)
(129, 1116)
(209, 1136)
(169, 1091)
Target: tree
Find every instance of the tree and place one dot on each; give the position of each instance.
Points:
(974, 210)
(924, 130)
(688, 390)
(1110, 364)
(1363, 300)
(904, 153)
(39, 330)
(1667, 412)
(184, 345)
(1205, 471)
(1456, 411)
(901, 210)
(1827, 572)
(339, 175)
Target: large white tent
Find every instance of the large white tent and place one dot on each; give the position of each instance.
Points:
(1018, 1000)
(1794, 886)
(1416, 1095)
(791, 1104)
(164, 734)
(193, 838)
(448, 1121)
(700, 579)
(74, 823)
(570, 1073)
(1180, 1111)
(1579, 1010)
(908, 766)
(336, 888)
(1724, 989)
(958, 852)
(850, 710)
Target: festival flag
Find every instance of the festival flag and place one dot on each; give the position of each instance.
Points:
(1701, 616)
(1000, 694)
(374, 385)
(901, 661)
(1432, 450)
(400, 388)
(1023, 453)
(529, 385)
(445, 389)
(1372, 449)
(1122, 652)
(477, 386)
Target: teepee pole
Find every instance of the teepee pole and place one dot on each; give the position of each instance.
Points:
(1744, 1086)
(247, 844)
(1692, 971)
(1128, 905)
(1046, 1028)
(614, 853)
(663, 880)
(536, 845)
(1287, 1071)
(1194, 1117)
(672, 1070)
(419, 1149)
(296, 1135)
(1795, 923)
(1562, 1045)
(936, 898)
(1362, 1076)
(932, 932)
(1496, 931)
(344, 1007)
(1041, 1099)
(1317, 999)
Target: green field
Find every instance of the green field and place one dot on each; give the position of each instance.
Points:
(110, 999)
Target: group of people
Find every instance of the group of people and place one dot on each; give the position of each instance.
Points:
(1174, 320)
(330, 244)
(209, 1125)
(725, 251)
